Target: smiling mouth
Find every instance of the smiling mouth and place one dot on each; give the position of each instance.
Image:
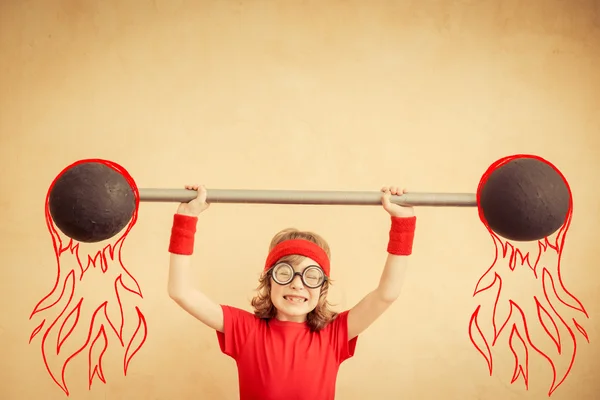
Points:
(295, 299)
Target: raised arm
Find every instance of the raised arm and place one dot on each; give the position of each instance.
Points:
(374, 304)
(180, 287)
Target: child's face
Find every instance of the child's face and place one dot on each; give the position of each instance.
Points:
(295, 300)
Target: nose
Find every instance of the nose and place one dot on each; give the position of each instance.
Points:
(297, 282)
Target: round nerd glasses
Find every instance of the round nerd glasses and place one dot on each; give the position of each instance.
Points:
(312, 276)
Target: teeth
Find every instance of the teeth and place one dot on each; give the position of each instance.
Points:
(295, 299)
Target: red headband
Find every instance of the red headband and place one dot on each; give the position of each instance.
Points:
(301, 247)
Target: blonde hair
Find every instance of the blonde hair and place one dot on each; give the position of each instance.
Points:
(318, 318)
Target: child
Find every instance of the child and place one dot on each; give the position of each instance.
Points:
(291, 347)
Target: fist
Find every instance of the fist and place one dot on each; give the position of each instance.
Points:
(197, 205)
(395, 210)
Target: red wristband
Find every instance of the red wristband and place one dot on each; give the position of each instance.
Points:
(182, 234)
(402, 233)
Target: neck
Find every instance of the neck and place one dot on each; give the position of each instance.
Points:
(291, 318)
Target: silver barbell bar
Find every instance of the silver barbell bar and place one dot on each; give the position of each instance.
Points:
(308, 197)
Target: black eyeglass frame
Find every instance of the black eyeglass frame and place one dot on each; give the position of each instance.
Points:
(301, 274)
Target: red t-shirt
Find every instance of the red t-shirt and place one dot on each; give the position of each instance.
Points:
(282, 360)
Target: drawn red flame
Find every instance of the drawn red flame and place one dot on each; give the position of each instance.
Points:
(545, 268)
(63, 300)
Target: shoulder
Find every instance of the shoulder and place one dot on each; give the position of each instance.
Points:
(338, 321)
(341, 316)
(232, 312)
(337, 333)
(238, 326)
(237, 321)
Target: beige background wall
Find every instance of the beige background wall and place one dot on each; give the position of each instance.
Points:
(333, 95)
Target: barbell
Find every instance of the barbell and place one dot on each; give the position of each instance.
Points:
(519, 197)
(308, 197)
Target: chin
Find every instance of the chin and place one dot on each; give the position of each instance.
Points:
(294, 307)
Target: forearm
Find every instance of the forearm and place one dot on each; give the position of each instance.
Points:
(399, 250)
(180, 275)
(181, 289)
(181, 248)
(392, 278)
